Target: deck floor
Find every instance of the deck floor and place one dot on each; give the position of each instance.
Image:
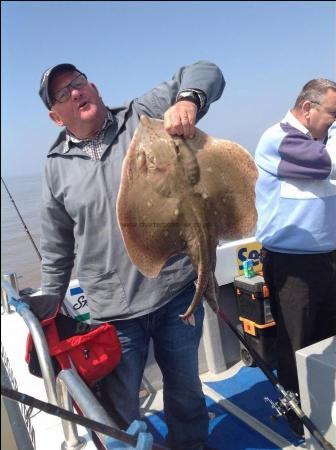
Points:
(240, 419)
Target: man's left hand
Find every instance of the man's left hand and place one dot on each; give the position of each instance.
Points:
(179, 119)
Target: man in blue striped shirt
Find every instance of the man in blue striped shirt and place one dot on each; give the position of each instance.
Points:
(296, 203)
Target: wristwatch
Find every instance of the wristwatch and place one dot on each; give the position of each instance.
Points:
(198, 97)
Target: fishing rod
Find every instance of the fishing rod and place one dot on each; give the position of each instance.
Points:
(23, 222)
(71, 417)
(288, 400)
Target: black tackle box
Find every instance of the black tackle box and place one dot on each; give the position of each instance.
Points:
(253, 299)
(256, 319)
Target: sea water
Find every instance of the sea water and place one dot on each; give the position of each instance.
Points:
(17, 252)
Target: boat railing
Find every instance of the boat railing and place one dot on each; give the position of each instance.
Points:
(72, 440)
(12, 281)
(68, 386)
(38, 338)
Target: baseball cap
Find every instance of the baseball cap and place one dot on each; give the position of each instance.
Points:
(47, 77)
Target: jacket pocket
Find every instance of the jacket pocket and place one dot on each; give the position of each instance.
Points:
(106, 295)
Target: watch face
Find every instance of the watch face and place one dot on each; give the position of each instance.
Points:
(190, 96)
(187, 95)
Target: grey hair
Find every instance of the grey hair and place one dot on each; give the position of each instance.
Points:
(314, 91)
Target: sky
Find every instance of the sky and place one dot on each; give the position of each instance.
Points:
(266, 50)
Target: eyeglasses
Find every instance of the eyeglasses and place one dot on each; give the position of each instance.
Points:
(330, 113)
(63, 94)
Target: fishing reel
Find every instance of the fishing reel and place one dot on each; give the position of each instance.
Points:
(285, 404)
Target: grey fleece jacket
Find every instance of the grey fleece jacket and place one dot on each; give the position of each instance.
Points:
(79, 211)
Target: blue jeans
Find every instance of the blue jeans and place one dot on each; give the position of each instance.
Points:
(176, 352)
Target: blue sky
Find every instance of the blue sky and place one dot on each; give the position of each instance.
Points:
(266, 50)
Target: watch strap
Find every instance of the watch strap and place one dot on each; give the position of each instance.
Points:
(198, 97)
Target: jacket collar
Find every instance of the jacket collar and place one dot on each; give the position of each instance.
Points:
(294, 122)
(118, 117)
